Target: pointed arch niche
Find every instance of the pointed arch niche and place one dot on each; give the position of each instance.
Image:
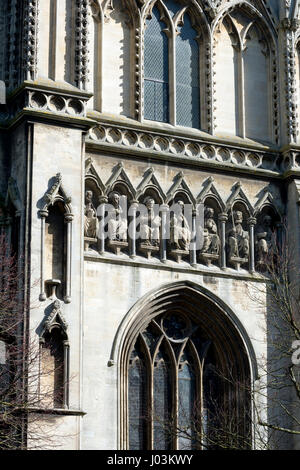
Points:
(244, 84)
(54, 361)
(56, 240)
(186, 365)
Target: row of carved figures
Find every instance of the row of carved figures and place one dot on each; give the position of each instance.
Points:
(165, 231)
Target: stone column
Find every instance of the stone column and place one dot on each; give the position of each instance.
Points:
(132, 228)
(223, 217)
(43, 215)
(101, 235)
(251, 224)
(193, 249)
(164, 208)
(68, 221)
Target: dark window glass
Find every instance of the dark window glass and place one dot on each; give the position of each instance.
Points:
(137, 401)
(187, 77)
(156, 70)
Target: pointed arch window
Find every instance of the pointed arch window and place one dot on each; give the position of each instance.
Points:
(171, 66)
(186, 389)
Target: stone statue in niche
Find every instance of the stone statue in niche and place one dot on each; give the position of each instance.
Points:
(211, 242)
(238, 240)
(91, 222)
(150, 224)
(211, 239)
(265, 239)
(149, 229)
(180, 231)
(117, 224)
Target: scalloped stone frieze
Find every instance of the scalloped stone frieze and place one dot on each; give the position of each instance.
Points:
(56, 103)
(189, 149)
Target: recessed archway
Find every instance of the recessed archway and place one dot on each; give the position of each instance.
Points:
(183, 329)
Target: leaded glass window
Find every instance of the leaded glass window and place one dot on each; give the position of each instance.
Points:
(156, 70)
(178, 395)
(171, 66)
(187, 76)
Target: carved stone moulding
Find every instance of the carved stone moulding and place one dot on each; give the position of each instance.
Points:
(37, 98)
(186, 149)
(56, 103)
(291, 161)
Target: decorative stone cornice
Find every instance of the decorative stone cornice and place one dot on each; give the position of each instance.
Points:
(190, 150)
(45, 101)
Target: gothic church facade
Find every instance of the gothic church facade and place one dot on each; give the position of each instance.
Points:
(192, 103)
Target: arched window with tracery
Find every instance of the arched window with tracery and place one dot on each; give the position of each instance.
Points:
(172, 64)
(188, 378)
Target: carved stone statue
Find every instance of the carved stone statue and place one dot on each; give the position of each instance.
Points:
(91, 222)
(211, 242)
(238, 238)
(264, 239)
(180, 231)
(117, 224)
(150, 224)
